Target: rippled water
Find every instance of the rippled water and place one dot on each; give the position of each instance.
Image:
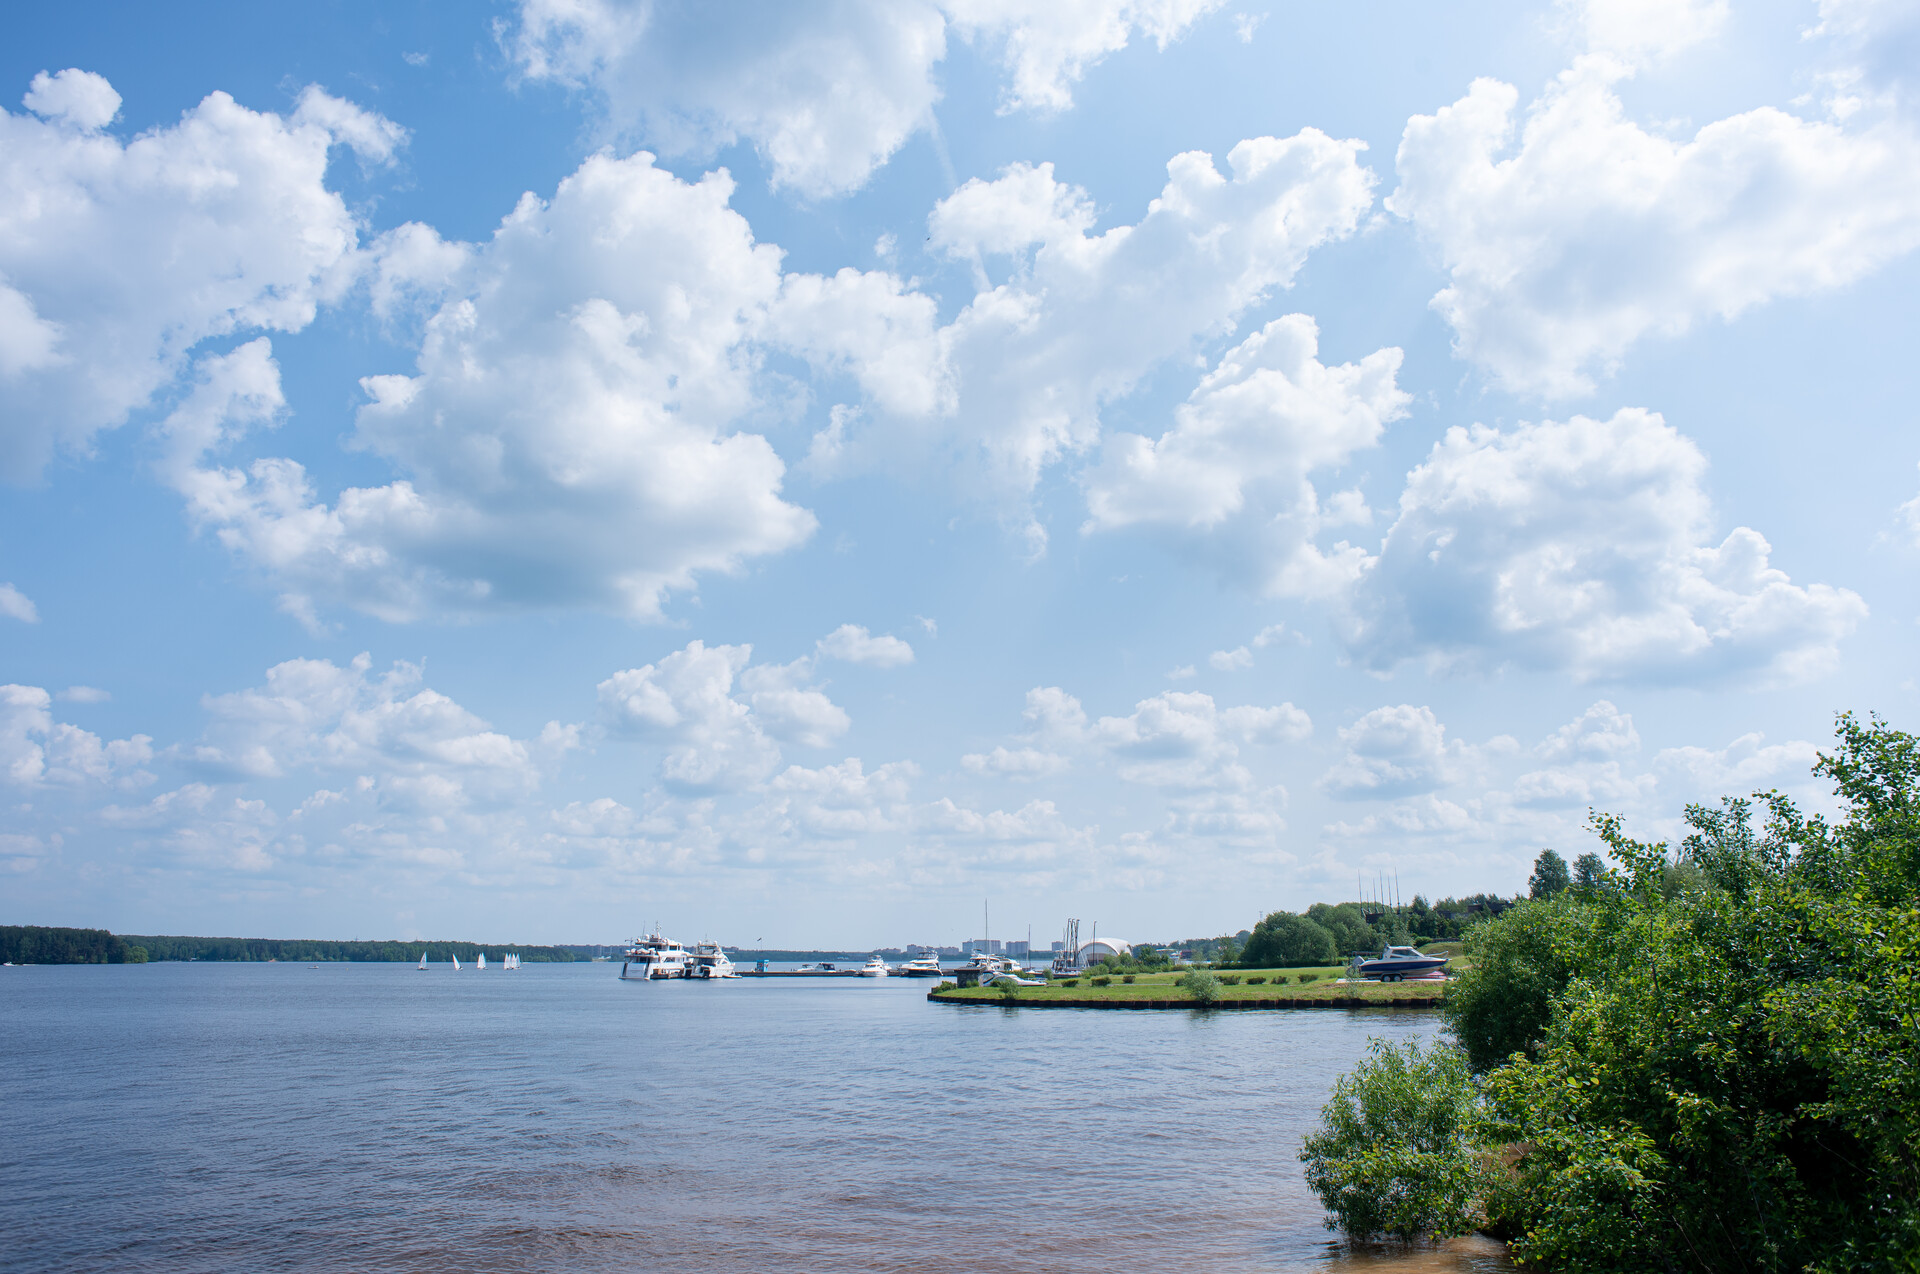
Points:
(372, 1117)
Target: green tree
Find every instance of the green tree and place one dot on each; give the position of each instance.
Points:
(1287, 940)
(1589, 871)
(1202, 986)
(1394, 1153)
(1550, 875)
(1351, 933)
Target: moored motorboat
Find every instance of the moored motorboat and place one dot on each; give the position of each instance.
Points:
(875, 968)
(1397, 964)
(922, 966)
(709, 961)
(654, 957)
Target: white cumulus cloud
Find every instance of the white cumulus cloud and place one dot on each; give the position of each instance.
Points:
(1081, 318)
(567, 439)
(1235, 466)
(1570, 241)
(1585, 547)
(826, 92)
(15, 604)
(855, 645)
(117, 258)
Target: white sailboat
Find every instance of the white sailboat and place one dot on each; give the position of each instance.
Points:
(423, 959)
(456, 963)
(481, 963)
(509, 961)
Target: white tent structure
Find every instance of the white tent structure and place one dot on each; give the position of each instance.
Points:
(1098, 950)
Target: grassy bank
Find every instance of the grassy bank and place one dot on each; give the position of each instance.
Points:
(1164, 988)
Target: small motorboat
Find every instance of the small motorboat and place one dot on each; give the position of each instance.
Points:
(1397, 964)
(875, 968)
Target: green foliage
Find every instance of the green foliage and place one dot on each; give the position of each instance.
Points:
(36, 944)
(323, 950)
(1204, 987)
(1309, 977)
(1394, 1154)
(1589, 871)
(1549, 875)
(1008, 988)
(1351, 933)
(1256, 980)
(1102, 980)
(136, 955)
(1286, 940)
(1070, 982)
(1128, 979)
(1719, 1048)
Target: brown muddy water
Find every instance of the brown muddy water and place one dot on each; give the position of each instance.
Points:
(372, 1117)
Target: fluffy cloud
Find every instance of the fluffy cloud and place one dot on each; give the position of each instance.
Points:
(1564, 249)
(717, 739)
(856, 645)
(1183, 741)
(1047, 47)
(1584, 547)
(1082, 317)
(568, 438)
(407, 744)
(116, 259)
(835, 802)
(1241, 451)
(825, 92)
(1645, 30)
(1016, 763)
(15, 604)
(1393, 752)
(37, 751)
(1744, 765)
(1601, 733)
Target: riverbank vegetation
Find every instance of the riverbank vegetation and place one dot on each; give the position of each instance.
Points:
(31, 944)
(1703, 1057)
(1318, 983)
(40, 944)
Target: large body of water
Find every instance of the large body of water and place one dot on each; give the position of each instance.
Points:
(372, 1117)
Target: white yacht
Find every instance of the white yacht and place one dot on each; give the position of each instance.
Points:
(922, 966)
(875, 968)
(709, 961)
(655, 957)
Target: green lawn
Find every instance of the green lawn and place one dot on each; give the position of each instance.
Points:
(1163, 986)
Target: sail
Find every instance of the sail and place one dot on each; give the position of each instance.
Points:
(456, 964)
(481, 963)
(423, 959)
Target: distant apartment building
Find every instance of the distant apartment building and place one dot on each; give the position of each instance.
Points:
(914, 949)
(1020, 948)
(949, 953)
(1058, 947)
(980, 946)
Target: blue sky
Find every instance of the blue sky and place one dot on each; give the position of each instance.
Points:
(528, 471)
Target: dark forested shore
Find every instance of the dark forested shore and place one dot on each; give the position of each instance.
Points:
(36, 944)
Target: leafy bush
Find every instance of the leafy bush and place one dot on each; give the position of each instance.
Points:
(1256, 980)
(1103, 980)
(1127, 978)
(1070, 982)
(1008, 988)
(1230, 979)
(1394, 1154)
(946, 986)
(1202, 986)
(1309, 977)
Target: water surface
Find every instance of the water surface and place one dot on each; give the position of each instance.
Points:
(372, 1117)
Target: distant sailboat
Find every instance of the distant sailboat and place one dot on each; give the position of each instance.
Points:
(481, 963)
(456, 963)
(510, 961)
(423, 959)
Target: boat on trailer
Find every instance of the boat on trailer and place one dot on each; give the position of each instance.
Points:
(1398, 964)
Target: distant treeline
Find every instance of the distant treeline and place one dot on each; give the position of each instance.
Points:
(37, 944)
(33, 944)
(317, 950)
